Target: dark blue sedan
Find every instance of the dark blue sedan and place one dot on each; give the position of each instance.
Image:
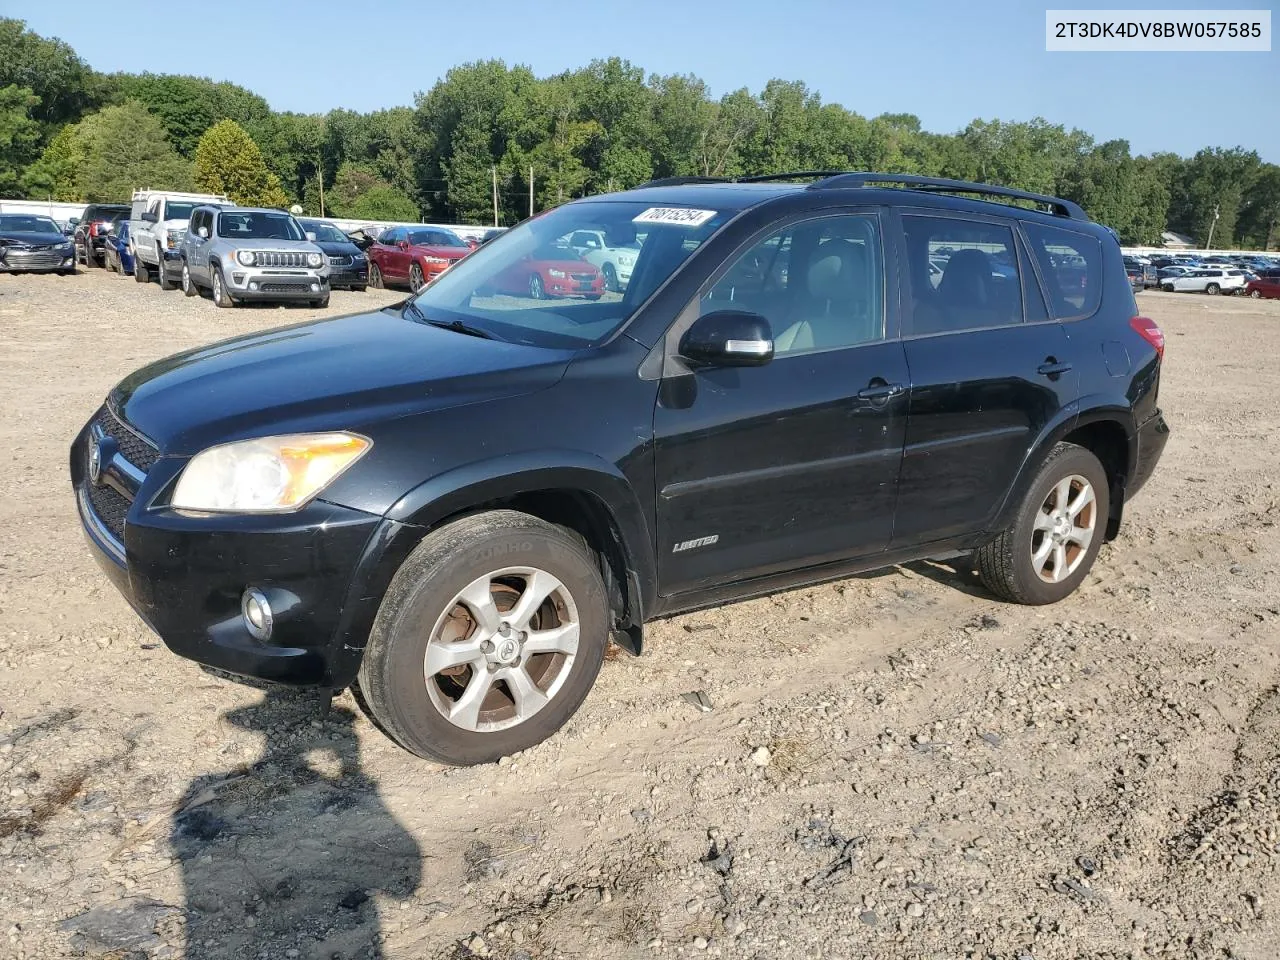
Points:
(115, 252)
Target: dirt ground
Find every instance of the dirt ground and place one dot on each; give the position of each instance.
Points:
(947, 775)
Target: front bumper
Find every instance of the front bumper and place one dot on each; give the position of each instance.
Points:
(250, 283)
(16, 262)
(1152, 437)
(349, 276)
(185, 575)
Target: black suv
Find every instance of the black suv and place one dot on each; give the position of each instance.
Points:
(456, 502)
(92, 230)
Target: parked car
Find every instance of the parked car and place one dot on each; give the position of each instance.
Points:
(116, 255)
(90, 235)
(1167, 273)
(614, 262)
(1210, 280)
(492, 234)
(1146, 272)
(158, 222)
(29, 242)
(414, 256)
(244, 254)
(549, 271)
(457, 502)
(348, 265)
(1267, 285)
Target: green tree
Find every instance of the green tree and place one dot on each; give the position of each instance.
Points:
(124, 147)
(229, 162)
(19, 136)
(1260, 216)
(53, 176)
(1214, 183)
(383, 202)
(1119, 191)
(65, 86)
(188, 106)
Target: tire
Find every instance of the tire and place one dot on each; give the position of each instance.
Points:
(593, 297)
(321, 303)
(220, 296)
(375, 276)
(358, 289)
(139, 269)
(536, 290)
(1256, 294)
(69, 272)
(166, 283)
(1212, 289)
(416, 281)
(106, 262)
(424, 602)
(1167, 288)
(1008, 565)
(610, 277)
(188, 285)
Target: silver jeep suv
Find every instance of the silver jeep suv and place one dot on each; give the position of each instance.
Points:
(250, 253)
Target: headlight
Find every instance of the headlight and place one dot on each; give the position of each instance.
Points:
(268, 475)
(626, 260)
(315, 259)
(435, 260)
(558, 274)
(245, 257)
(357, 257)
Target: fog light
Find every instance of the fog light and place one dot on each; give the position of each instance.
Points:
(315, 288)
(257, 614)
(253, 285)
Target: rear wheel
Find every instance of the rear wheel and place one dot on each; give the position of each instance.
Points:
(610, 277)
(1055, 536)
(1212, 289)
(488, 639)
(375, 276)
(220, 296)
(536, 289)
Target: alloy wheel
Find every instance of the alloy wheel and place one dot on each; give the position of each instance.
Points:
(1064, 527)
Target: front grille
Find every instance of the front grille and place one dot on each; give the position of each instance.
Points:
(339, 261)
(110, 506)
(284, 287)
(41, 257)
(583, 277)
(134, 449)
(278, 258)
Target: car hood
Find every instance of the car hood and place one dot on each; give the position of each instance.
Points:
(301, 246)
(445, 253)
(24, 236)
(340, 373)
(337, 248)
(577, 266)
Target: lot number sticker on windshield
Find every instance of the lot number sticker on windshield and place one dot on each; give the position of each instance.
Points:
(680, 216)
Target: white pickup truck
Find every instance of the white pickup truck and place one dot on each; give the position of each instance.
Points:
(157, 224)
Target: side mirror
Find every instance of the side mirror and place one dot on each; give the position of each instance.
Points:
(403, 244)
(311, 235)
(150, 217)
(204, 233)
(728, 338)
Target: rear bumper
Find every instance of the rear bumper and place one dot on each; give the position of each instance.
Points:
(1152, 437)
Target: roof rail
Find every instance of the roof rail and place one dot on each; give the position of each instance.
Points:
(680, 181)
(1059, 207)
(797, 175)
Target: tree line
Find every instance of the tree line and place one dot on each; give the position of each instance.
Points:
(68, 132)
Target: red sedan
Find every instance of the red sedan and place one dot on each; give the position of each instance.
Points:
(1267, 285)
(551, 271)
(413, 256)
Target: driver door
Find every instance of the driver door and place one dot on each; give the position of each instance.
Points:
(768, 468)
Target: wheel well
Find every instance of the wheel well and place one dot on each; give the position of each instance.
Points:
(590, 518)
(1107, 440)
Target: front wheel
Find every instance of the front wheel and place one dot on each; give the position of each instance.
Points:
(188, 285)
(611, 278)
(220, 296)
(416, 281)
(139, 269)
(375, 276)
(358, 288)
(1256, 294)
(166, 283)
(536, 290)
(1059, 528)
(1212, 289)
(488, 639)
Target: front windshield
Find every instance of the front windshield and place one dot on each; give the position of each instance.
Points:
(326, 232)
(435, 238)
(531, 286)
(178, 211)
(22, 223)
(258, 225)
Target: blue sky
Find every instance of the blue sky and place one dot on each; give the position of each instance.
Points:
(943, 61)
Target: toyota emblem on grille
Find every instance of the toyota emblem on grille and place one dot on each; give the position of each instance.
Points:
(95, 460)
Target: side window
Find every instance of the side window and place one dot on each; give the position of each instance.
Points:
(819, 283)
(1071, 267)
(391, 237)
(964, 274)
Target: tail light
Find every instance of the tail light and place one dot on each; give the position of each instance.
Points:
(1146, 328)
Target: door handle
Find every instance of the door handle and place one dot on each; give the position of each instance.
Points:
(1052, 368)
(877, 391)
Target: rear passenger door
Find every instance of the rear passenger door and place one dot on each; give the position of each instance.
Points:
(989, 370)
(198, 247)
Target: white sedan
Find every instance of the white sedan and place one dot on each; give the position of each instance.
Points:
(615, 263)
(1205, 280)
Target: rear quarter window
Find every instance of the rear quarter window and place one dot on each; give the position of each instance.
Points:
(1071, 268)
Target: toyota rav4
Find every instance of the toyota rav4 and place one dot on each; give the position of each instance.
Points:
(455, 503)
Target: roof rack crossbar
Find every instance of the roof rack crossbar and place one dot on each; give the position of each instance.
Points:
(680, 181)
(1060, 207)
(796, 175)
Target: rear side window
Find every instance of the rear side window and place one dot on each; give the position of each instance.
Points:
(964, 274)
(1071, 267)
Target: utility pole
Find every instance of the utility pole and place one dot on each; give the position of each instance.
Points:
(1212, 224)
(495, 194)
(531, 190)
(320, 177)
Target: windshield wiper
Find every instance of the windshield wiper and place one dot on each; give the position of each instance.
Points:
(457, 326)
